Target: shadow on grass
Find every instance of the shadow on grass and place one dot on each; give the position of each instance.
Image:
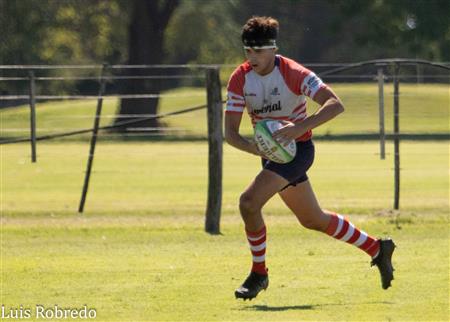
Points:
(279, 308)
(268, 308)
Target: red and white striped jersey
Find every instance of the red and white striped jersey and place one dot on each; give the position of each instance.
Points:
(279, 95)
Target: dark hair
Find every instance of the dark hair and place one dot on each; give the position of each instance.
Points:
(257, 31)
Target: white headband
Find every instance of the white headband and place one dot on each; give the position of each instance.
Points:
(260, 47)
(265, 44)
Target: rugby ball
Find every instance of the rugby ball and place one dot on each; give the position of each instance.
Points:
(273, 150)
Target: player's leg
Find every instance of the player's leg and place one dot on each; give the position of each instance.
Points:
(266, 184)
(264, 187)
(303, 203)
(261, 189)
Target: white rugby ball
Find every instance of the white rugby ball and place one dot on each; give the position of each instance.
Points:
(273, 150)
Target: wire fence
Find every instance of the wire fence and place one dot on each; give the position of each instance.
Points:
(115, 126)
(414, 71)
(70, 106)
(72, 121)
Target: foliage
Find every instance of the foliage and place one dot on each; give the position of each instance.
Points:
(203, 32)
(214, 36)
(384, 28)
(84, 31)
(62, 32)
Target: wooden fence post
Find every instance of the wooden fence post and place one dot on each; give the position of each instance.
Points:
(215, 151)
(380, 77)
(33, 116)
(98, 112)
(396, 138)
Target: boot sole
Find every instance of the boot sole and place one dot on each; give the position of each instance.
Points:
(389, 253)
(244, 297)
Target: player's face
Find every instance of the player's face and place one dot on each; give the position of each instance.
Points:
(261, 60)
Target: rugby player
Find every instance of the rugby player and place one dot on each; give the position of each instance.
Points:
(271, 86)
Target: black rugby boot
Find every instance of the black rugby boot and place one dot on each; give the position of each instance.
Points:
(252, 286)
(384, 262)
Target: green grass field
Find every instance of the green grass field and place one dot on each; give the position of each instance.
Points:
(139, 252)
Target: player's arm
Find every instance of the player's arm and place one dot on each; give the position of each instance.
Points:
(233, 113)
(232, 136)
(330, 107)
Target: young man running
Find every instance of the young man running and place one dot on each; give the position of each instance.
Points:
(271, 86)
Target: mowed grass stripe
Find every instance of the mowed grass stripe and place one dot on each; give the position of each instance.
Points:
(171, 178)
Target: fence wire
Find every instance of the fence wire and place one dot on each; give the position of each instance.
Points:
(333, 72)
(114, 126)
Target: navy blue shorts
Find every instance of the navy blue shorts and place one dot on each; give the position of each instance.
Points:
(294, 171)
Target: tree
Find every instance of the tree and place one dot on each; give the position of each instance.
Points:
(385, 28)
(148, 22)
(60, 32)
(215, 36)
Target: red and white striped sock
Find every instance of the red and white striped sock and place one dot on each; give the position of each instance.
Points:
(257, 241)
(340, 228)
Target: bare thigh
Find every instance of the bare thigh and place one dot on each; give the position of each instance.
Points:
(302, 201)
(261, 189)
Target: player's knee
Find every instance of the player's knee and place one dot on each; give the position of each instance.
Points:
(311, 223)
(247, 204)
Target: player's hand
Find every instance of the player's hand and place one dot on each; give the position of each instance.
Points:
(288, 132)
(255, 150)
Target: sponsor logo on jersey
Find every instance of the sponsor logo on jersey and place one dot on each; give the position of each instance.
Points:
(249, 94)
(313, 82)
(275, 92)
(268, 108)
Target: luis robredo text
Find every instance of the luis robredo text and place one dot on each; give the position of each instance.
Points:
(44, 313)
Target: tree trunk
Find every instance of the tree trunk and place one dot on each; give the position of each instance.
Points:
(149, 19)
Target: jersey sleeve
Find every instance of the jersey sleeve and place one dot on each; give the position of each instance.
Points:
(235, 92)
(299, 79)
(310, 83)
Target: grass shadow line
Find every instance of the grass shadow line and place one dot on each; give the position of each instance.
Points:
(279, 308)
(267, 308)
